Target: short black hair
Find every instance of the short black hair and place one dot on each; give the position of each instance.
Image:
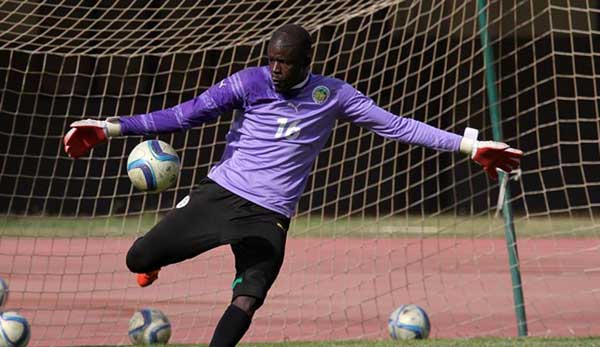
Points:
(292, 35)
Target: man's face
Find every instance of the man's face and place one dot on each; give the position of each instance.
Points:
(288, 66)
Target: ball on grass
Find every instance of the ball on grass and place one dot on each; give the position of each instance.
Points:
(3, 292)
(14, 330)
(409, 322)
(149, 326)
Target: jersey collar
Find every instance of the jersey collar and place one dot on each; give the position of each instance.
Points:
(303, 83)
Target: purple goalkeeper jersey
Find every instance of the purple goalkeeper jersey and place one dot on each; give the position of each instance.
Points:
(275, 138)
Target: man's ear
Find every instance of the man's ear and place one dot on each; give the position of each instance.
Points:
(307, 60)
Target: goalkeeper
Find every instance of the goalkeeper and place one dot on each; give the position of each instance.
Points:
(286, 116)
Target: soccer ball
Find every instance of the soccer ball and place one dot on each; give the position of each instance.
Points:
(3, 292)
(153, 166)
(409, 322)
(149, 326)
(14, 330)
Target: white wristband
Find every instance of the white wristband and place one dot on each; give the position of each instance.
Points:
(468, 144)
(112, 127)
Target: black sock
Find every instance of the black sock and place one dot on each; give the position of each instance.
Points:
(233, 325)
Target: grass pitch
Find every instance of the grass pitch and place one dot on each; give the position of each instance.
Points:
(478, 342)
(396, 226)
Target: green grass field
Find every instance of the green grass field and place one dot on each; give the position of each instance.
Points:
(317, 226)
(479, 342)
(484, 342)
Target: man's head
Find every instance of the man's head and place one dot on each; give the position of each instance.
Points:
(289, 55)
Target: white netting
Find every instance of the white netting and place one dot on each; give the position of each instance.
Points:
(154, 27)
(380, 223)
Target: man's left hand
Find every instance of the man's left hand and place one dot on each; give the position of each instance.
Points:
(492, 155)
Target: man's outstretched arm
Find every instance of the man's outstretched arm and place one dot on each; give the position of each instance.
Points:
(218, 99)
(491, 155)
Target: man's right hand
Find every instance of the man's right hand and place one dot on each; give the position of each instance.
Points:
(87, 133)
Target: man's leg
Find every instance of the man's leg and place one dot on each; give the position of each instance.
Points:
(235, 322)
(257, 263)
(183, 233)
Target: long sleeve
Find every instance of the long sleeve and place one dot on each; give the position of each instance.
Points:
(218, 99)
(362, 111)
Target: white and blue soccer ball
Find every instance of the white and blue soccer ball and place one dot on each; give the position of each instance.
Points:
(149, 326)
(14, 330)
(409, 322)
(153, 166)
(3, 292)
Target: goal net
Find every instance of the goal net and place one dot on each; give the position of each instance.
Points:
(380, 224)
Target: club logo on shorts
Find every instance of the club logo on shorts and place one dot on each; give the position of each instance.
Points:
(320, 94)
(183, 202)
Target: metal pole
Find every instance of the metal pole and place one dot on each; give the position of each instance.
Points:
(509, 227)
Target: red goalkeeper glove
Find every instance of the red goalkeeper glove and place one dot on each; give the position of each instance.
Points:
(492, 155)
(87, 133)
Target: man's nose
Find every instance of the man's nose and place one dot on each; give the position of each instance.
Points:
(276, 67)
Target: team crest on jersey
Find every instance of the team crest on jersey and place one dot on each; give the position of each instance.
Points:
(320, 94)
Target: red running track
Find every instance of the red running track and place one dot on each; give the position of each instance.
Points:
(78, 291)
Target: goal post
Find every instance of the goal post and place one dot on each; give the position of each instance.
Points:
(380, 223)
(504, 198)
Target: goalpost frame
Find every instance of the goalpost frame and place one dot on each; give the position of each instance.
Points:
(509, 227)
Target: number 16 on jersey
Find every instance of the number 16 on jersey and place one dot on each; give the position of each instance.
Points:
(289, 131)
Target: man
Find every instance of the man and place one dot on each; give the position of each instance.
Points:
(286, 116)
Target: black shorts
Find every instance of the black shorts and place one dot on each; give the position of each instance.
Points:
(211, 217)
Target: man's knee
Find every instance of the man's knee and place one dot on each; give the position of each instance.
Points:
(248, 304)
(138, 261)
